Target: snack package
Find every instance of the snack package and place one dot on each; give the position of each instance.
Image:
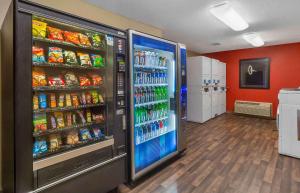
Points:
(98, 117)
(38, 55)
(74, 118)
(71, 37)
(55, 55)
(95, 97)
(39, 28)
(88, 98)
(53, 122)
(35, 101)
(54, 142)
(84, 40)
(96, 80)
(85, 134)
(52, 100)
(55, 33)
(56, 81)
(84, 59)
(75, 99)
(80, 113)
(97, 40)
(84, 81)
(88, 116)
(39, 146)
(69, 119)
(101, 100)
(40, 122)
(61, 100)
(72, 138)
(68, 100)
(38, 78)
(70, 57)
(98, 61)
(43, 101)
(82, 99)
(59, 119)
(71, 79)
(97, 133)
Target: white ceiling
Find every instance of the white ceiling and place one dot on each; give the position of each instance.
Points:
(189, 21)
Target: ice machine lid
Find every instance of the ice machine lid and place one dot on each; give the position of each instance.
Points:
(290, 91)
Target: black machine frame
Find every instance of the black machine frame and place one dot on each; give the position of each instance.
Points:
(16, 78)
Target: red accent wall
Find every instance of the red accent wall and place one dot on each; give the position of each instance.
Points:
(284, 72)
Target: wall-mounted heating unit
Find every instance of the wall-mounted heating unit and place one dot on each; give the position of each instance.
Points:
(253, 108)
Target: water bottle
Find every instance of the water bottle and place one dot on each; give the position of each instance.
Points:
(142, 58)
(137, 135)
(137, 57)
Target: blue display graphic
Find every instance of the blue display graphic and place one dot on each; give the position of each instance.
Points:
(155, 116)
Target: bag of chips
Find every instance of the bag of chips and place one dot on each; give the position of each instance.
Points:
(97, 133)
(72, 138)
(71, 37)
(54, 142)
(69, 119)
(98, 61)
(82, 98)
(88, 116)
(84, 59)
(75, 99)
(84, 40)
(39, 147)
(71, 79)
(84, 81)
(97, 39)
(52, 100)
(40, 122)
(55, 34)
(55, 55)
(101, 99)
(39, 28)
(35, 101)
(70, 57)
(56, 81)
(59, 119)
(43, 101)
(98, 117)
(95, 97)
(38, 55)
(85, 134)
(61, 100)
(96, 80)
(88, 98)
(38, 78)
(80, 113)
(53, 122)
(68, 100)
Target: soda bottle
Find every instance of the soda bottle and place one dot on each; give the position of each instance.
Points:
(156, 59)
(142, 58)
(166, 125)
(136, 57)
(144, 128)
(137, 135)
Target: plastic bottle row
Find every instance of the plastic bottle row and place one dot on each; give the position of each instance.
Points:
(150, 131)
(149, 58)
(150, 94)
(150, 77)
(151, 112)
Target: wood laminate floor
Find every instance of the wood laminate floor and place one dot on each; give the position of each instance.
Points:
(229, 154)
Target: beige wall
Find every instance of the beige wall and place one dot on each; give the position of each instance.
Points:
(80, 8)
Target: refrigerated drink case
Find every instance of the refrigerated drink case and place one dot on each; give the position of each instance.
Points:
(69, 101)
(154, 102)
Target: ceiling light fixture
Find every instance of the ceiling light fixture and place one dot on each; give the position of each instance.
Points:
(225, 13)
(254, 39)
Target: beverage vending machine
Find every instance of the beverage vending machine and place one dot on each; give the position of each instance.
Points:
(64, 85)
(154, 102)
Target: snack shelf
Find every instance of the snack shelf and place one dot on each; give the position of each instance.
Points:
(47, 110)
(141, 85)
(78, 126)
(64, 88)
(64, 43)
(155, 136)
(151, 103)
(67, 66)
(151, 121)
(65, 148)
(151, 67)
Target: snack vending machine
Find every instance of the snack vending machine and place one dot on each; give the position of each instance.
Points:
(64, 116)
(155, 92)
